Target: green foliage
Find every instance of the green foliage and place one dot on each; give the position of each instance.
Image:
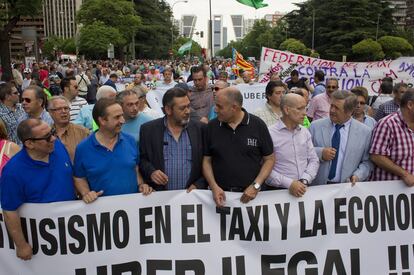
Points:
(368, 50)
(104, 22)
(95, 38)
(153, 38)
(195, 47)
(56, 44)
(339, 24)
(294, 46)
(395, 47)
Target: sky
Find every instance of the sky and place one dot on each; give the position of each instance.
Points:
(200, 8)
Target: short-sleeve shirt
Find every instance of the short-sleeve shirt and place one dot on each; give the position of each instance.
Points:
(236, 155)
(111, 171)
(25, 180)
(392, 138)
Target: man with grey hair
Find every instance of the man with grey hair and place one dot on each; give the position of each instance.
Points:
(129, 102)
(68, 133)
(393, 143)
(297, 163)
(34, 104)
(238, 151)
(342, 143)
(85, 118)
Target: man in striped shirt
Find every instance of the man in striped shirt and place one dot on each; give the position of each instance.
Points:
(392, 149)
(70, 91)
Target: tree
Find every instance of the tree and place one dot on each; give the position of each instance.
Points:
(395, 47)
(54, 44)
(95, 38)
(294, 46)
(339, 24)
(10, 13)
(118, 16)
(154, 34)
(195, 47)
(368, 50)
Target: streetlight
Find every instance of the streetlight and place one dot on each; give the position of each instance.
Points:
(376, 33)
(172, 19)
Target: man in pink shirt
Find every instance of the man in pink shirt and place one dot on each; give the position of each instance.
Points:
(297, 163)
(320, 104)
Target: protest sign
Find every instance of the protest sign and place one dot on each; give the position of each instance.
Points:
(349, 74)
(333, 229)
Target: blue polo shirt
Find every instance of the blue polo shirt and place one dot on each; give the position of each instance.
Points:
(26, 180)
(110, 171)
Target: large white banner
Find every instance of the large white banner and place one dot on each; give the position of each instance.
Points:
(350, 74)
(336, 229)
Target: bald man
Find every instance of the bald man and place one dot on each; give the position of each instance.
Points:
(238, 154)
(297, 162)
(218, 85)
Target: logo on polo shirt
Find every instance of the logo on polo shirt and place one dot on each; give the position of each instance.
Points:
(252, 142)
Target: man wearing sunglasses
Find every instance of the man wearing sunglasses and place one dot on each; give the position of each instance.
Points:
(10, 110)
(44, 156)
(320, 105)
(34, 102)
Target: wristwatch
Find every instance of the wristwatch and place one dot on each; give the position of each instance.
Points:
(304, 181)
(256, 186)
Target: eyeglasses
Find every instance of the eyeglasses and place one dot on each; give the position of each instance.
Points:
(361, 102)
(48, 137)
(216, 89)
(66, 109)
(27, 100)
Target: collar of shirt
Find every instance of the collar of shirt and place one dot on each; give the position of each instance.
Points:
(95, 142)
(345, 128)
(245, 120)
(271, 110)
(401, 118)
(281, 125)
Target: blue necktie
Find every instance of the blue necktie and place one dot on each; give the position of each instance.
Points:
(336, 141)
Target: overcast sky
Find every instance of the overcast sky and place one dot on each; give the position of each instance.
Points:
(200, 8)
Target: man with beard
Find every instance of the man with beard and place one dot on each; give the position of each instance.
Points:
(106, 163)
(171, 146)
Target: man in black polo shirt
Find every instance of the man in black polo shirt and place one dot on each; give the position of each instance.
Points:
(238, 154)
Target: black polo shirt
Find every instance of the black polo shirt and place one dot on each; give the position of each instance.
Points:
(236, 155)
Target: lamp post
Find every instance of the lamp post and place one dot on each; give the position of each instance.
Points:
(376, 33)
(172, 19)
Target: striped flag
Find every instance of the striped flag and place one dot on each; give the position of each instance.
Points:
(241, 63)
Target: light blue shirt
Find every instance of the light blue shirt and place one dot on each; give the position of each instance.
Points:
(344, 131)
(84, 117)
(133, 126)
(44, 116)
(319, 89)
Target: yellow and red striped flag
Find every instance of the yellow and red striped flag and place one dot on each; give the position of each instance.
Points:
(241, 63)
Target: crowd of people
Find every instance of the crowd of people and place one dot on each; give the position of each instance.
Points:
(80, 132)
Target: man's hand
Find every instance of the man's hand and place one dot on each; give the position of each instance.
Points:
(145, 189)
(24, 251)
(219, 196)
(249, 194)
(204, 120)
(408, 179)
(191, 188)
(328, 153)
(91, 196)
(159, 177)
(354, 179)
(297, 188)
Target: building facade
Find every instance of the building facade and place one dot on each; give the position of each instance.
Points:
(60, 17)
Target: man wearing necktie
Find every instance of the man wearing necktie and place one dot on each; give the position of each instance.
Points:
(341, 143)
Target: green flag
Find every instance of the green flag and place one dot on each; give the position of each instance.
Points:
(185, 47)
(257, 4)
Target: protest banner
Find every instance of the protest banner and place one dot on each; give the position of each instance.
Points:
(333, 229)
(349, 74)
(254, 96)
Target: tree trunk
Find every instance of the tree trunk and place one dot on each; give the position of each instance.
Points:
(5, 56)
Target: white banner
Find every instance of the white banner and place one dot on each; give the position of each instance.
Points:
(350, 74)
(335, 229)
(254, 96)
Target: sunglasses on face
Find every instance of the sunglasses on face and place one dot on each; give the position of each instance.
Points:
(331, 87)
(216, 89)
(48, 137)
(27, 100)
